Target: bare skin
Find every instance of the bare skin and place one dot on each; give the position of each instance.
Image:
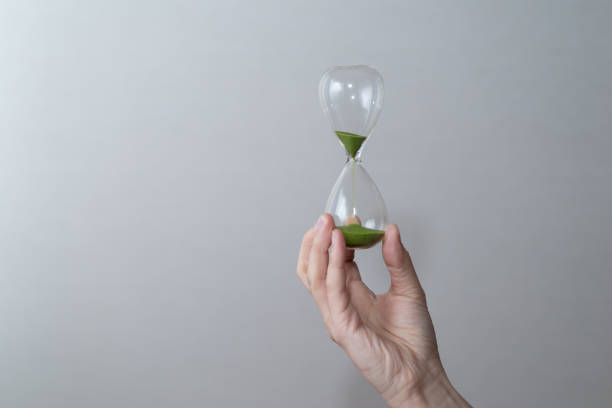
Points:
(390, 337)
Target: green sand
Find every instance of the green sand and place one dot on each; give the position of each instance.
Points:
(351, 142)
(357, 236)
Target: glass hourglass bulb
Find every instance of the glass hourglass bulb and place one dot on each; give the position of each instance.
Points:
(352, 98)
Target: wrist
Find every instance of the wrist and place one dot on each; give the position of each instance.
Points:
(433, 389)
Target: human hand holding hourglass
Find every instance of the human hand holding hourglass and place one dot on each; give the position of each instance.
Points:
(390, 337)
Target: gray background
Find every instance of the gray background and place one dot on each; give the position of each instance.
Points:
(159, 161)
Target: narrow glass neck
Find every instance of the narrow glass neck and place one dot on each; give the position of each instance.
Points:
(356, 159)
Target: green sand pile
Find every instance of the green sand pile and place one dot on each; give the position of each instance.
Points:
(357, 236)
(351, 142)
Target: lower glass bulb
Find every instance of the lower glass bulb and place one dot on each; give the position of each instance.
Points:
(357, 206)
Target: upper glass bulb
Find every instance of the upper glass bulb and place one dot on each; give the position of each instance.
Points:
(352, 98)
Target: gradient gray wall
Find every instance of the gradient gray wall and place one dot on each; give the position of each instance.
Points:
(159, 161)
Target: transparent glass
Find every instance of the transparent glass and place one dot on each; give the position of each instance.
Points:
(352, 98)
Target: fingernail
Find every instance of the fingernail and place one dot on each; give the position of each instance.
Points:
(320, 223)
(334, 240)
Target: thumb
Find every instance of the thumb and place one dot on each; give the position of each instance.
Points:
(404, 280)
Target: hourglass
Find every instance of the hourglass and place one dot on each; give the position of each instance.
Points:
(352, 98)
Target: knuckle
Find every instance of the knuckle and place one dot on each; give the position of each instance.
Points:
(331, 332)
(307, 234)
(320, 276)
(423, 297)
(332, 335)
(317, 284)
(318, 245)
(416, 294)
(335, 335)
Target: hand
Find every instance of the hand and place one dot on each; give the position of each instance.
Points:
(390, 338)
